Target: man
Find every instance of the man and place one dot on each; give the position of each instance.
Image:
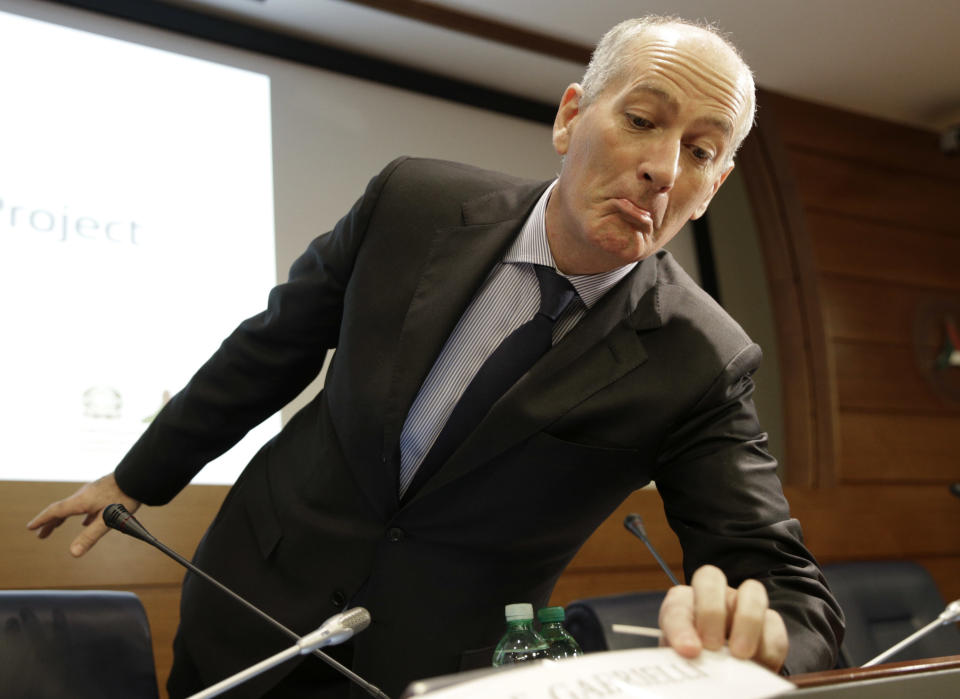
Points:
(416, 287)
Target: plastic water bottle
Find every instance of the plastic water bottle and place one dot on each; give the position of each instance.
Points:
(562, 644)
(520, 643)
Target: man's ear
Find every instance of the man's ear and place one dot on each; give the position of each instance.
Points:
(702, 209)
(567, 114)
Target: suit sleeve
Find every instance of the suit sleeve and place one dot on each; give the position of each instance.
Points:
(737, 518)
(258, 369)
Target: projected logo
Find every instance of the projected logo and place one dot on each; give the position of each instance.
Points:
(102, 402)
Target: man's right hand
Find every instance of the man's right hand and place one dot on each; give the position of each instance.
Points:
(89, 501)
(709, 613)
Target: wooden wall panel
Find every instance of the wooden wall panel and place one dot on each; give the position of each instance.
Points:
(613, 560)
(885, 377)
(803, 125)
(117, 560)
(613, 546)
(875, 203)
(869, 310)
(897, 448)
(884, 252)
(857, 189)
(789, 265)
(877, 521)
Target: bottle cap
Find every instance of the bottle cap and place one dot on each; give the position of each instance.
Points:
(548, 614)
(522, 610)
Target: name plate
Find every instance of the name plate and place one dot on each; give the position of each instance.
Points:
(647, 673)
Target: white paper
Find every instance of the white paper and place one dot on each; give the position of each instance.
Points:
(643, 673)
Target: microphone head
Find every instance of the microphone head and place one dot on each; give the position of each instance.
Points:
(113, 515)
(634, 523)
(355, 619)
(336, 629)
(117, 517)
(951, 613)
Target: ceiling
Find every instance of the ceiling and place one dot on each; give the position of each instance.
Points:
(894, 59)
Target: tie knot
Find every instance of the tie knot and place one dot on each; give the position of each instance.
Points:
(556, 292)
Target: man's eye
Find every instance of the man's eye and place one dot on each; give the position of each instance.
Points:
(639, 121)
(701, 154)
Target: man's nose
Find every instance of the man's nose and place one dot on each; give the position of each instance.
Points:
(660, 164)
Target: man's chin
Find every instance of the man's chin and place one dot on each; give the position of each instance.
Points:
(614, 259)
(626, 249)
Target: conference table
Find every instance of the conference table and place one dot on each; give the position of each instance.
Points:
(916, 679)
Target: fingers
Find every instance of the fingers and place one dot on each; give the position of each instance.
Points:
(90, 535)
(48, 527)
(709, 613)
(749, 613)
(757, 632)
(89, 501)
(695, 617)
(55, 514)
(677, 622)
(773, 650)
(710, 605)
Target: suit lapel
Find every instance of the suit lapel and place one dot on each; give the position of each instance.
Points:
(600, 349)
(460, 259)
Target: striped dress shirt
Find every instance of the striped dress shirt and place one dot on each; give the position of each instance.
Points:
(509, 297)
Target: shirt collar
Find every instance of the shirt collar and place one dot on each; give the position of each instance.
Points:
(531, 246)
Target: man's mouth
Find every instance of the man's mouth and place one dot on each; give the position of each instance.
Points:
(639, 217)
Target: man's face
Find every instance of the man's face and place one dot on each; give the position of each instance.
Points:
(648, 153)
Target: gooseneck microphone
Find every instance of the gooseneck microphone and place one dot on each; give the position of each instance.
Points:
(118, 517)
(950, 614)
(334, 630)
(634, 525)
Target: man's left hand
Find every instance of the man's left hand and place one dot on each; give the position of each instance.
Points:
(708, 613)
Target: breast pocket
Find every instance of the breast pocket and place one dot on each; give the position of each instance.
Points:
(631, 467)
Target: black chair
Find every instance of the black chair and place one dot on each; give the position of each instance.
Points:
(884, 602)
(72, 643)
(590, 620)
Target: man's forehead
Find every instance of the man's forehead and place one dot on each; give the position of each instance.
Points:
(668, 100)
(666, 61)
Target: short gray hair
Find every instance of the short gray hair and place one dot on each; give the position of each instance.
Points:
(607, 63)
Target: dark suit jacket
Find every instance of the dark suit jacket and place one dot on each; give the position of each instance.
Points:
(654, 383)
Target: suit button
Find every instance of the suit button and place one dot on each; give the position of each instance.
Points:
(338, 599)
(395, 534)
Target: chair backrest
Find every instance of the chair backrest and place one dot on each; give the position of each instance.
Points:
(884, 602)
(589, 620)
(78, 644)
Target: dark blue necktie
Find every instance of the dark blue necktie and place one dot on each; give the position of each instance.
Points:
(508, 362)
